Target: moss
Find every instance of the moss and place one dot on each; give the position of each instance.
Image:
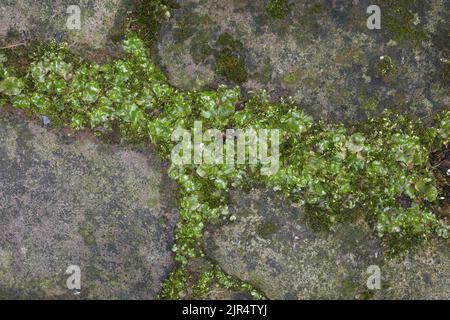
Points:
(183, 30)
(186, 27)
(175, 285)
(292, 78)
(352, 289)
(201, 52)
(201, 49)
(227, 40)
(366, 295)
(12, 34)
(152, 202)
(318, 218)
(265, 75)
(216, 278)
(444, 72)
(277, 9)
(87, 235)
(348, 287)
(229, 59)
(45, 283)
(370, 104)
(266, 229)
(163, 221)
(387, 68)
(92, 273)
(316, 8)
(231, 66)
(148, 19)
(399, 18)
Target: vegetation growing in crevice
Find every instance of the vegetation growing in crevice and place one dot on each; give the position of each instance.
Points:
(215, 277)
(146, 21)
(177, 285)
(330, 168)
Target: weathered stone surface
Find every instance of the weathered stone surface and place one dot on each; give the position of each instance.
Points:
(76, 201)
(320, 52)
(272, 247)
(27, 20)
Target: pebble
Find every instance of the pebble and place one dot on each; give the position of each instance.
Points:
(45, 120)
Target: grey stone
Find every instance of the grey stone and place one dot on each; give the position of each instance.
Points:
(321, 53)
(77, 201)
(272, 246)
(101, 23)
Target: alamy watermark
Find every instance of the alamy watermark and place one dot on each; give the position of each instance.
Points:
(374, 20)
(232, 147)
(74, 280)
(374, 279)
(74, 20)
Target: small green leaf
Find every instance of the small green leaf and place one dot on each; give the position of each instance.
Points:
(11, 86)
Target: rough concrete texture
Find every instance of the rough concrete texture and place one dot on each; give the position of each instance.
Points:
(28, 20)
(76, 201)
(112, 211)
(271, 246)
(320, 52)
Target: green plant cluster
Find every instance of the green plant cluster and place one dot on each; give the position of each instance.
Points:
(334, 171)
(147, 21)
(216, 277)
(176, 285)
(387, 69)
(230, 59)
(401, 21)
(277, 9)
